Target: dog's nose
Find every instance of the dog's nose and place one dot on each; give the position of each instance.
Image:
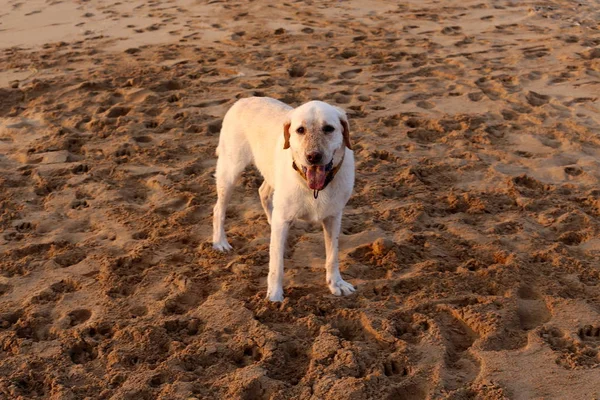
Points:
(314, 157)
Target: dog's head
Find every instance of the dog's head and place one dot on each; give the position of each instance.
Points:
(314, 131)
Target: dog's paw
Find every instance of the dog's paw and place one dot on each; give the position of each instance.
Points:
(222, 246)
(341, 288)
(275, 295)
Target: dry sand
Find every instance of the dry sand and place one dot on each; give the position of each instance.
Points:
(472, 235)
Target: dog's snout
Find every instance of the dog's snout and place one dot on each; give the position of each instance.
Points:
(315, 157)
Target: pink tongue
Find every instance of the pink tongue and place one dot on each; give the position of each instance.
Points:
(315, 176)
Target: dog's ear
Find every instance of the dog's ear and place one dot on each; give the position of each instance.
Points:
(346, 130)
(346, 133)
(286, 134)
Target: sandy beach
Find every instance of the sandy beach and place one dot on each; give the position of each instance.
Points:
(472, 235)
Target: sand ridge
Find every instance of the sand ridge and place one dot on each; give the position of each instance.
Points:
(472, 234)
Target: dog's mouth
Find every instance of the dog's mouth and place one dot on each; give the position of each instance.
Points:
(315, 176)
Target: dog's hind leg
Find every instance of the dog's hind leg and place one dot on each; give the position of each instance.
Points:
(266, 199)
(233, 158)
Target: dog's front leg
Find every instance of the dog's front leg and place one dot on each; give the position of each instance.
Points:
(331, 228)
(279, 232)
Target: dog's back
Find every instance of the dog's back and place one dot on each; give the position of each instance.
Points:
(252, 129)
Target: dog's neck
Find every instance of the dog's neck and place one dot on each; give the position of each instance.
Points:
(331, 171)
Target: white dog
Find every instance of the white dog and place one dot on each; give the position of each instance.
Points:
(306, 160)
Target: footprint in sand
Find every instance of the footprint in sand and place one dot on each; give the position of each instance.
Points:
(181, 303)
(175, 97)
(186, 326)
(409, 328)
(34, 327)
(142, 139)
(531, 309)
(392, 368)
(122, 152)
(350, 74)
(461, 367)
(452, 30)
(573, 353)
(535, 52)
(590, 334)
(24, 227)
(82, 352)
(141, 235)
(4, 288)
(211, 103)
(79, 204)
(78, 316)
(427, 105)
(537, 99)
(80, 169)
(70, 258)
(55, 292)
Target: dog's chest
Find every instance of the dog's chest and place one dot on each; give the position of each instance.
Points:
(328, 203)
(315, 210)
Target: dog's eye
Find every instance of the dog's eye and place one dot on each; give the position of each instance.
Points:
(328, 129)
(300, 131)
